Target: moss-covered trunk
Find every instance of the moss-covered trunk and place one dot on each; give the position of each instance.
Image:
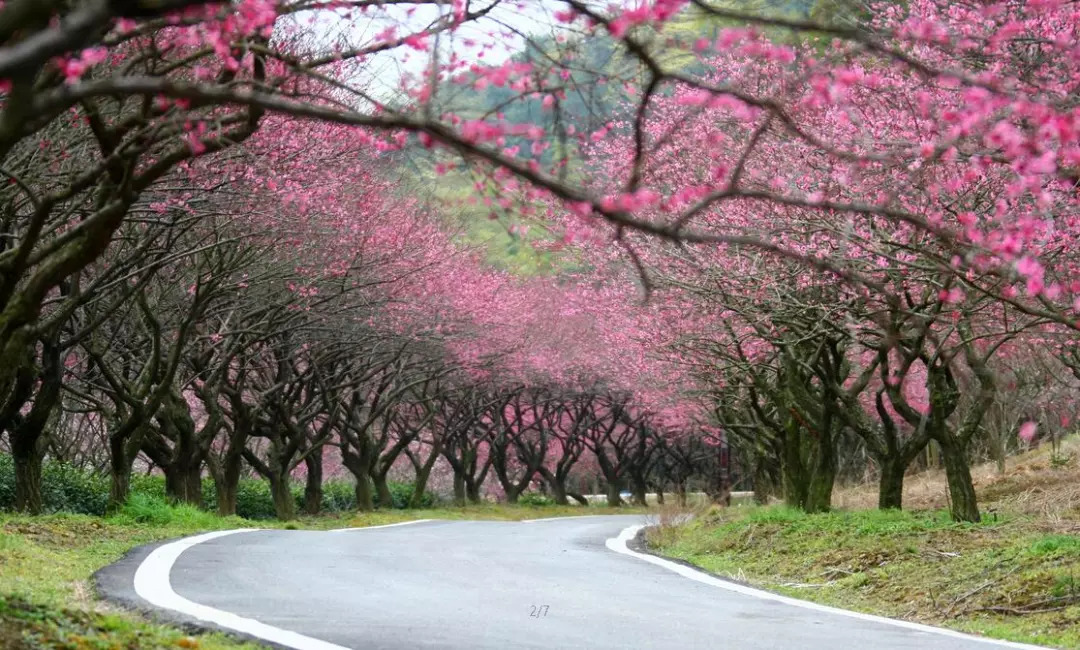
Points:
(28, 495)
(313, 484)
(891, 483)
(364, 499)
(964, 503)
(227, 482)
(119, 483)
(382, 490)
(281, 492)
(361, 471)
(423, 473)
(183, 482)
(121, 457)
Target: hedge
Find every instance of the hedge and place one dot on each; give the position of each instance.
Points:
(69, 489)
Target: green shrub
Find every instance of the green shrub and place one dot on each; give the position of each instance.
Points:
(1056, 545)
(535, 499)
(142, 508)
(402, 492)
(7, 482)
(68, 489)
(253, 500)
(152, 485)
(339, 496)
(63, 488)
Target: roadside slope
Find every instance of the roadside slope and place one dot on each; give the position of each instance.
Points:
(1016, 576)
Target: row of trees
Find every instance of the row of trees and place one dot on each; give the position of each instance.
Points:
(857, 224)
(868, 263)
(230, 331)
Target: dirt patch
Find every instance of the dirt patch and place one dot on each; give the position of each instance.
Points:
(54, 534)
(1041, 482)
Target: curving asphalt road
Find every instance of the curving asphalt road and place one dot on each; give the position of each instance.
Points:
(560, 583)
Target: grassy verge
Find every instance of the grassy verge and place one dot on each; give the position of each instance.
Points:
(46, 600)
(1011, 578)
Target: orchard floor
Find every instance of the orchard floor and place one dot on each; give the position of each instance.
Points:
(46, 563)
(1015, 576)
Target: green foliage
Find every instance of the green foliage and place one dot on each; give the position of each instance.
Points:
(402, 493)
(64, 488)
(535, 499)
(1056, 546)
(142, 508)
(254, 501)
(7, 481)
(69, 489)
(151, 485)
(72, 490)
(1060, 460)
(338, 496)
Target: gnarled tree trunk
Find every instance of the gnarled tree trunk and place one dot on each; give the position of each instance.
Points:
(313, 485)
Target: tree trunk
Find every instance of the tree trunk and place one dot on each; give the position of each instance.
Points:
(965, 505)
(120, 474)
(639, 489)
(226, 483)
(183, 482)
(382, 489)
(819, 491)
(364, 498)
(472, 493)
(558, 492)
(557, 485)
(762, 483)
(795, 487)
(891, 483)
(313, 485)
(577, 496)
(659, 494)
(613, 498)
(823, 472)
(365, 501)
(119, 485)
(421, 480)
(680, 493)
(822, 478)
(27, 459)
(459, 489)
(808, 477)
(793, 473)
(284, 504)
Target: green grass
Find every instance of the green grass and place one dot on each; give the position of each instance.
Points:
(33, 626)
(991, 578)
(46, 564)
(46, 600)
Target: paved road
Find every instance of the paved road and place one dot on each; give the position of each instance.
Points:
(474, 584)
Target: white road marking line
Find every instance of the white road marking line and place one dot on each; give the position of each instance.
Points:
(619, 545)
(152, 585)
(400, 523)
